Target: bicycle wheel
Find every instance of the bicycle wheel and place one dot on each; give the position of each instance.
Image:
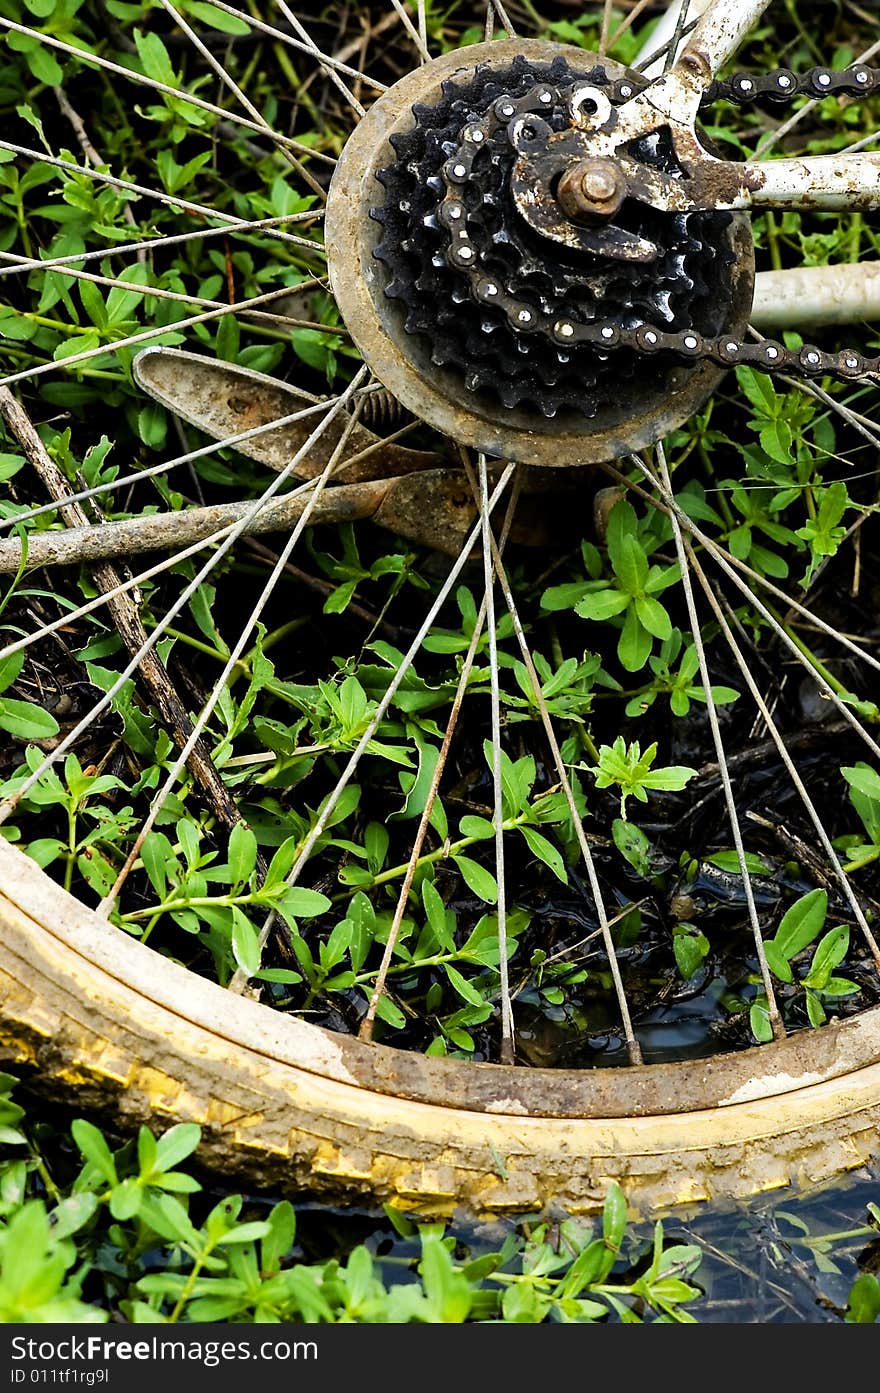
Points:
(539, 261)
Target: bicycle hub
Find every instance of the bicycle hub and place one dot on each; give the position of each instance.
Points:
(487, 263)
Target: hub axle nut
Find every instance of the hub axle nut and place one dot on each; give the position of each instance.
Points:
(591, 188)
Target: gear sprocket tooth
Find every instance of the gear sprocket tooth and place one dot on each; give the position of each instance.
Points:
(672, 294)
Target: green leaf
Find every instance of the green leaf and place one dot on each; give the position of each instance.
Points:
(154, 58)
(614, 1216)
(759, 390)
(448, 1291)
(242, 853)
(72, 1214)
(298, 902)
(759, 1020)
(478, 879)
(93, 303)
(464, 988)
(633, 845)
(690, 947)
(245, 1233)
(777, 962)
(176, 1144)
(228, 338)
(776, 440)
(126, 1199)
(864, 779)
(245, 943)
(631, 565)
(216, 19)
(26, 721)
(479, 828)
(9, 670)
(435, 909)
(44, 66)
(602, 604)
(592, 1265)
(546, 852)
(635, 643)
(801, 923)
(94, 1148)
(830, 951)
(156, 853)
(863, 1305)
(815, 1010)
(653, 617)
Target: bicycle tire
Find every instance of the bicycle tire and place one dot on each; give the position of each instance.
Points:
(291, 1106)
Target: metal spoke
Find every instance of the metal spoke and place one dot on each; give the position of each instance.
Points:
(406, 663)
(507, 1036)
(605, 28)
(299, 44)
(366, 1027)
(220, 685)
(680, 26)
(155, 292)
(171, 199)
(775, 1019)
(504, 19)
(412, 31)
(11, 802)
(784, 755)
(632, 1045)
(143, 336)
(307, 177)
(59, 263)
(423, 23)
(151, 471)
(82, 55)
(731, 566)
(635, 13)
(644, 65)
(325, 66)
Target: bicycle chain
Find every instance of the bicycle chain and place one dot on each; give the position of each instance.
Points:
(782, 86)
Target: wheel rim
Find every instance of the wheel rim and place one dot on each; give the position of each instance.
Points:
(803, 1061)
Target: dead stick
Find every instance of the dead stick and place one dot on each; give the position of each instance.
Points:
(124, 613)
(174, 531)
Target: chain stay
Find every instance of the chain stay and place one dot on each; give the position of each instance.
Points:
(781, 86)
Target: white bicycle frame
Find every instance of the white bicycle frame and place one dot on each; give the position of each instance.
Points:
(803, 296)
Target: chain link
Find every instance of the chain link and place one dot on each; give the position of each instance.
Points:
(780, 86)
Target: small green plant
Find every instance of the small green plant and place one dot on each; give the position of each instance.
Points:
(629, 595)
(132, 1236)
(800, 926)
(631, 770)
(864, 794)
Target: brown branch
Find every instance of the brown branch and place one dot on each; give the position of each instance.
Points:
(83, 541)
(124, 613)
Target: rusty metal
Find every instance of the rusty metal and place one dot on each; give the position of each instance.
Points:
(592, 188)
(433, 508)
(546, 185)
(435, 394)
(223, 400)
